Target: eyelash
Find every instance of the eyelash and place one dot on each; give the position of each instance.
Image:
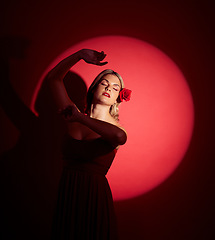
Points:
(104, 84)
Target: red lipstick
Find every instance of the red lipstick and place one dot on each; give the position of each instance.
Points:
(106, 94)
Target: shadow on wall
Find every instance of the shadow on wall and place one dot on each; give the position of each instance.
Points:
(29, 172)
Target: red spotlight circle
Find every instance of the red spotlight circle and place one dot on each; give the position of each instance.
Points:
(159, 117)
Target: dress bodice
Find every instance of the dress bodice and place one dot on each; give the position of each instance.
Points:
(94, 155)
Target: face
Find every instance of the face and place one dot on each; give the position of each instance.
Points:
(107, 90)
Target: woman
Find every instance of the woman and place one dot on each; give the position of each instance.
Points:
(85, 205)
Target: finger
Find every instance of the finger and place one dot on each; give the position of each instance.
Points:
(101, 55)
(102, 63)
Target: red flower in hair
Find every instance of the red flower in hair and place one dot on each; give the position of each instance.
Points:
(125, 94)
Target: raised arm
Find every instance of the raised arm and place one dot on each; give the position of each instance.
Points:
(112, 133)
(56, 75)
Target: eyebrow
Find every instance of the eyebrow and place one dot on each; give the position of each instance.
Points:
(116, 84)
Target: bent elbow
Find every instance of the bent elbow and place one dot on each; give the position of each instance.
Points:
(121, 137)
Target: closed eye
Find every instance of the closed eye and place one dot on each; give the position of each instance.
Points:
(104, 83)
(116, 89)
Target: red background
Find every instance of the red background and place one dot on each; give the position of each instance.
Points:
(158, 118)
(183, 206)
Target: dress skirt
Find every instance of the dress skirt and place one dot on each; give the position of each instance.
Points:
(85, 208)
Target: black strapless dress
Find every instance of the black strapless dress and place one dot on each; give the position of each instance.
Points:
(85, 208)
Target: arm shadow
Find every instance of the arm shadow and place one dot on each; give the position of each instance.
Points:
(30, 171)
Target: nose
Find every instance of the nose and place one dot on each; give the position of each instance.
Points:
(107, 88)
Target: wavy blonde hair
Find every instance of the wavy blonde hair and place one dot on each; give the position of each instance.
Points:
(114, 109)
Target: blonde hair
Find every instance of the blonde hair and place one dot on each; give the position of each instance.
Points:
(114, 110)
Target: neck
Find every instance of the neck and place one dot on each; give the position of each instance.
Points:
(99, 111)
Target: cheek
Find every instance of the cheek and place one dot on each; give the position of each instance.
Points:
(115, 96)
(97, 90)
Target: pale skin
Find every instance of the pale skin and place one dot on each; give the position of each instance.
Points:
(99, 123)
